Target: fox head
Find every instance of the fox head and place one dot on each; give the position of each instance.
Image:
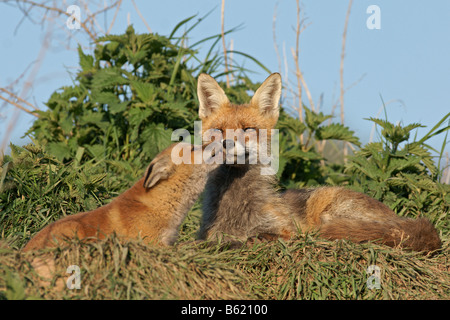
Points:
(178, 162)
(240, 127)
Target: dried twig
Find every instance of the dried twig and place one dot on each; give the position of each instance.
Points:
(91, 17)
(222, 16)
(446, 172)
(344, 38)
(297, 67)
(115, 16)
(274, 35)
(28, 84)
(301, 83)
(15, 104)
(18, 98)
(341, 99)
(141, 16)
(60, 12)
(48, 15)
(231, 58)
(286, 69)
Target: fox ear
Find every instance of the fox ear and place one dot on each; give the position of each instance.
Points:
(267, 97)
(210, 95)
(156, 171)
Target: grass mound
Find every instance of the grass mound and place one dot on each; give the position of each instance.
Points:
(113, 269)
(305, 268)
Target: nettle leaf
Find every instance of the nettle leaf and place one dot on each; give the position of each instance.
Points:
(156, 138)
(299, 154)
(337, 131)
(418, 182)
(371, 169)
(59, 149)
(144, 91)
(86, 61)
(399, 164)
(103, 97)
(115, 108)
(291, 125)
(97, 151)
(67, 123)
(174, 110)
(92, 118)
(109, 99)
(313, 119)
(107, 78)
(382, 123)
(371, 149)
(134, 57)
(423, 154)
(136, 116)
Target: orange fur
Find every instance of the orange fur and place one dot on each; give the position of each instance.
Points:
(242, 203)
(339, 213)
(152, 209)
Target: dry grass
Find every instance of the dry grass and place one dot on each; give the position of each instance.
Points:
(307, 268)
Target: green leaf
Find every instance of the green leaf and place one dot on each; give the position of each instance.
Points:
(337, 131)
(433, 131)
(145, 91)
(291, 125)
(107, 78)
(313, 120)
(67, 123)
(14, 287)
(86, 61)
(118, 107)
(251, 58)
(180, 24)
(301, 155)
(97, 151)
(59, 149)
(156, 138)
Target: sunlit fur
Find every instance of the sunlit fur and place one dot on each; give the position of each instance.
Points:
(152, 209)
(240, 203)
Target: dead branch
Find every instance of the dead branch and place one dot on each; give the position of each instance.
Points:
(344, 38)
(28, 84)
(222, 16)
(141, 16)
(115, 16)
(297, 67)
(15, 104)
(274, 35)
(18, 98)
(60, 12)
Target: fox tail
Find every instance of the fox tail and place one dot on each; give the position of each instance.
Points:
(416, 234)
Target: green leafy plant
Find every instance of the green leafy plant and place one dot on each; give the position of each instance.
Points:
(303, 164)
(36, 189)
(127, 98)
(400, 172)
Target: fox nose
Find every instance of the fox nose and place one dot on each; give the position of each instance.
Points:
(228, 142)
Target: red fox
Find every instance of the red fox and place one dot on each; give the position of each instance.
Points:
(153, 208)
(241, 203)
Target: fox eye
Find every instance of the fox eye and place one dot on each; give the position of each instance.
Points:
(249, 130)
(219, 130)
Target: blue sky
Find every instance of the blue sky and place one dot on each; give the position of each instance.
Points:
(407, 61)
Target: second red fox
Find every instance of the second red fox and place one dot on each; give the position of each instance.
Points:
(240, 203)
(152, 209)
